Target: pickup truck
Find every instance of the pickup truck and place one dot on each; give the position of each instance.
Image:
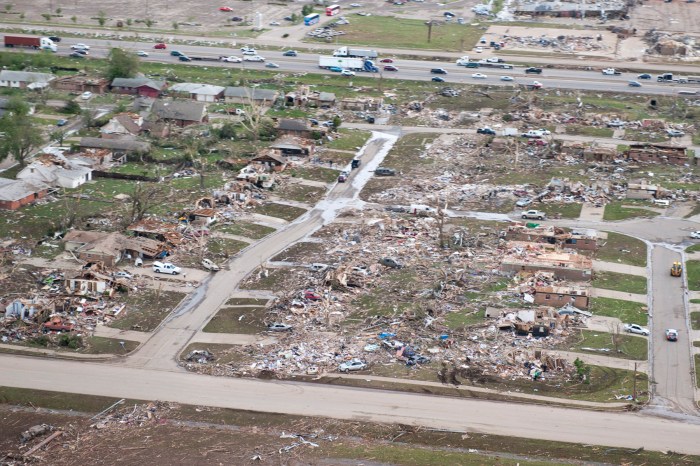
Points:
(166, 267)
(536, 133)
(611, 72)
(534, 214)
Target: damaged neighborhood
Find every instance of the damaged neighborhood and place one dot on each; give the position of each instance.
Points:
(497, 204)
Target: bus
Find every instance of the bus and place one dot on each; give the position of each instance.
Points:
(311, 19)
(332, 10)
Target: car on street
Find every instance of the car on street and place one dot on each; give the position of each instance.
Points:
(671, 334)
(524, 202)
(246, 48)
(479, 76)
(335, 69)
(253, 58)
(290, 53)
(352, 365)
(383, 171)
(507, 78)
(278, 327)
(390, 262)
(274, 23)
(533, 133)
(343, 177)
(62, 122)
(674, 133)
(533, 215)
(184, 58)
(271, 65)
(166, 267)
(386, 60)
(76, 55)
(533, 70)
(141, 53)
(86, 95)
(634, 84)
(160, 46)
(175, 53)
(225, 8)
(210, 265)
(479, 49)
(390, 68)
(644, 76)
(347, 73)
(695, 234)
(438, 79)
(486, 130)
(122, 274)
(54, 39)
(438, 71)
(80, 47)
(634, 328)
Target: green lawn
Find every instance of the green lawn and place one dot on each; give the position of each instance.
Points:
(301, 193)
(571, 210)
(695, 320)
(247, 302)
(282, 211)
(101, 345)
(464, 318)
(594, 131)
(616, 211)
(622, 249)
(248, 230)
(692, 270)
(146, 309)
(629, 347)
(620, 282)
(626, 311)
(400, 33)
(350, 139)
(697, 369)
(246, 320)
(325, 175)
(693, 248)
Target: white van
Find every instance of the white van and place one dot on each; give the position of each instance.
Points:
(662, 202)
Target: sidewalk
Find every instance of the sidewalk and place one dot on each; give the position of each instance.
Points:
(601, 360)
(57, 354)
(109, 332)
(601, 293)
(619, 268)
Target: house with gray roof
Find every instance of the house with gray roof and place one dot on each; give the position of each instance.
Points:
(246, 95)
(199, 92)
(180, 112)
(117, 146)
(24, 79)
(146, 87)
(17, 193)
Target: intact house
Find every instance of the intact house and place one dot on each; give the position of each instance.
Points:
(250, 95)
(17, 193)
(558, 296)
(80, 83)
(290, 146)
(24, 79)
(298, 128)
(138, 86)
(180, 113)
(118, 147)
(564, 266)
(124, 125)
(199, 92)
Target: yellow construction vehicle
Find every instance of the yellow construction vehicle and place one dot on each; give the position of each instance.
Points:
(676, 269)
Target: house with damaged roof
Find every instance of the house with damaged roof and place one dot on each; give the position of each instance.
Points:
(180, 113)
(17, 193)
(145, 87)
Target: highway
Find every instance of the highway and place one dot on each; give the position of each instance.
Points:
(408, 69)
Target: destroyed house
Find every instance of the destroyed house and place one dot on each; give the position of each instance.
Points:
(118, 147)
(80, 83)
(551, 235)
(270, 161)
(658, 153)
(564, 266)
(558, 296)
(144, 248)
(180, 112)
(642, 190)
(289, 146)
(165, 232)
(88, 283)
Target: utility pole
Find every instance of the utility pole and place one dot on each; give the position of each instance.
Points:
(430, 29)
(634, 383)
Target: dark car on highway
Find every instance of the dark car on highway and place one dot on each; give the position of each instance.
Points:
(76, 55)
(390, 68)
(55, 38)
(488, 131)
(438, 79)
(438, 71)
(644, 76)
(533, 70)
(290, 53)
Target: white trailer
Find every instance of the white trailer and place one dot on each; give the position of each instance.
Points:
(354, 64)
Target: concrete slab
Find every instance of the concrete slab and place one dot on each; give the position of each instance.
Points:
(109, 332)
(591, 213)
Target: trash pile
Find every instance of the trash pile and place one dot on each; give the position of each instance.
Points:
(671, 44)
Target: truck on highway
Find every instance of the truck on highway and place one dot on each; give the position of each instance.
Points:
(611, 72)
(670, 78)
(354, 64)
(36, 43)
(349, 52)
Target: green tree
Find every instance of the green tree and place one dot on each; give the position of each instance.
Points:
(227, 131)
(58, 11)
(336, 122)
(101, 18)
(307, 9)
(58, 135)
(8, 7)
(149, 22)
(175, 25)
(121, 64)
(72, 108)
(20, 135)
(22, 15)
(74, 19)
(129, 21)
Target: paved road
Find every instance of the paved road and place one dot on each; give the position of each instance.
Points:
(671, 362)
(538, 422)
(172, 336)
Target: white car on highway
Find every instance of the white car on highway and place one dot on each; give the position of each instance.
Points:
(507, 78)
(141, 53)
(347, 73)
(231, 59)
(638, 329)
(479, 76)
(80, 47)
(253, 58)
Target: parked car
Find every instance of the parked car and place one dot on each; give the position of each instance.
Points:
(122, 274)
(257, 58)
(271, 65)
(533, 70)
(80, 47)
(634, 84)
(386, 60)
(236, 19)
(533, 133)
(438, 79)
(438, 71)
(62, 122)
(390, 262)
(533, 215)
(695, 234)
(225, 8)
(312, 295)
(674, 133)
(343, 177)
(479, 49)
(486, 130)
(76, 55)
(86, 95)
(352, 365)
(524, 202)
(210, 266)
(335, 69)
(634, 328)
(616, 123)
(290, 53)
(507, 78)
(278, 327)
(479, 76)
(141, 53)
(390, 68)
(166, 267)
(274, 23)
(644, 76)
(383, 171)
(160, 46)
(671, 334)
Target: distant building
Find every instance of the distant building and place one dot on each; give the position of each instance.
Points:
(558, 296)
(145, 87)
(180, 112)
(199, 92)
(246, 95)
(17, 193)
(24, 79)
(79, 83)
